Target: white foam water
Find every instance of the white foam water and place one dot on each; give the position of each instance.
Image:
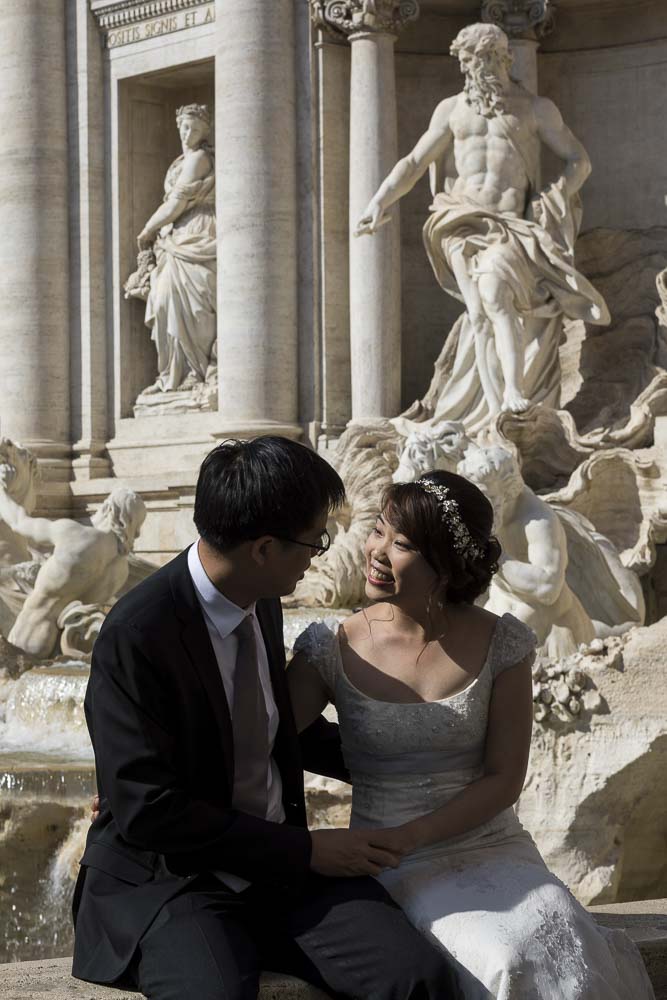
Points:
(43, 712)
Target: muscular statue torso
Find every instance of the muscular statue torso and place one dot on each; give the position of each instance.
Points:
(493, 155)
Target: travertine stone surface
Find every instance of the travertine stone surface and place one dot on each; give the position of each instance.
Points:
(375, 305)
(525, 18)
(51, 980)
(645, 921)
(257, 210)
(591, 799)
(90, 357)
(374, 274)
(34, 281)
(333, 82)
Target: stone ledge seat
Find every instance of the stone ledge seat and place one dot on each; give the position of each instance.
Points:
(49, 979)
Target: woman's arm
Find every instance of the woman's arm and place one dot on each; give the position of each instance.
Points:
(308, 693)
(505, 763)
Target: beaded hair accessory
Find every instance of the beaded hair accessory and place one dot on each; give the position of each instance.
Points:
(461, 537)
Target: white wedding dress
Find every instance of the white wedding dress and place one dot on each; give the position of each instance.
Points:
(513, 930)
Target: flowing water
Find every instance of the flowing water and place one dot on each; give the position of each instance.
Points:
(47, 781)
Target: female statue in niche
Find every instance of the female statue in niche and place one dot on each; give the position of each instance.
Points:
(180, 289)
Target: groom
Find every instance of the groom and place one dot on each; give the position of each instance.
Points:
(199, 870)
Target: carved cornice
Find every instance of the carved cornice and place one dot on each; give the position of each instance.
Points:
(353, 17)
(121, 13)
(520, 18)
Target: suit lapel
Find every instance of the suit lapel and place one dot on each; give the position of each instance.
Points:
(199, 649)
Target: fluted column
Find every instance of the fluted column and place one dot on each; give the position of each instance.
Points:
(256, 212)
(332, 60)
(34, 313)
(375, 279)
(524, 22)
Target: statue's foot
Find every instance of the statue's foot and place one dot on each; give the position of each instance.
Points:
(515, 402)
(153, 389)
(189, 382)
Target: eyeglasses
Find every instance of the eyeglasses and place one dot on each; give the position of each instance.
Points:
(319, 547)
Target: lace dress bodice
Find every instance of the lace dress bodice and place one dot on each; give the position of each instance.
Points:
(407, 759)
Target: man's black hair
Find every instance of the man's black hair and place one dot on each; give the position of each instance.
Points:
(266, 486)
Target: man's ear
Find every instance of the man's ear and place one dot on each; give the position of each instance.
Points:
(260, 550)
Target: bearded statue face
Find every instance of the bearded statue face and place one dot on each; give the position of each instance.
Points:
(485, 81)
(485, 59)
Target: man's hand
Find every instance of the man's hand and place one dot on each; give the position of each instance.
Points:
(94, 808)
(349, 853)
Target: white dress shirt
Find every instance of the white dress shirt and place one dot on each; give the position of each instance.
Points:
(222, 617)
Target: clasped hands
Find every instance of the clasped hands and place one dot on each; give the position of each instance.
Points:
(341, 853)
(337, 853)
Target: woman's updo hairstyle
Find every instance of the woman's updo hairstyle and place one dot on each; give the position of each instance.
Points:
(418, 515)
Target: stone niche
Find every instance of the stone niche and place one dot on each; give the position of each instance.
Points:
(149, 65)
(148, 142)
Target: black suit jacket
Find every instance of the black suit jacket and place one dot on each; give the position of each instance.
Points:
(161, 731)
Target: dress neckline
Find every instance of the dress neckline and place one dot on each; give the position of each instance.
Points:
(436, 701)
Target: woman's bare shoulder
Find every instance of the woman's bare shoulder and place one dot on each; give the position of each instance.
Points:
(468, 615)
(354, 627)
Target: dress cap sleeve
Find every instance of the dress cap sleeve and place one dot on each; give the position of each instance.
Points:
(512, 642)
(319, 643)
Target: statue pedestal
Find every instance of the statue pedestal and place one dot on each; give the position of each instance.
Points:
(202, 399)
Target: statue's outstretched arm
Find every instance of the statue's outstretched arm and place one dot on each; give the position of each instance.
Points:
(431, 146)
(35, 529)
(555, 134)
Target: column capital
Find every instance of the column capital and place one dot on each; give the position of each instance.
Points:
(352, 17)
(520, 18)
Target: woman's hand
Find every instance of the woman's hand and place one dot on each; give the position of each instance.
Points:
(398, 840)
(94, 808)
(348, 853)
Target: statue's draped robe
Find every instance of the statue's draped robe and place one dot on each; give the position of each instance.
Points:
(536, 259)
(181, 305)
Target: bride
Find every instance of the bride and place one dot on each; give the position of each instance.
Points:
(434, 701)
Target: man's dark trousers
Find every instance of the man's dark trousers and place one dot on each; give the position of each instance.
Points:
(343, 935)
